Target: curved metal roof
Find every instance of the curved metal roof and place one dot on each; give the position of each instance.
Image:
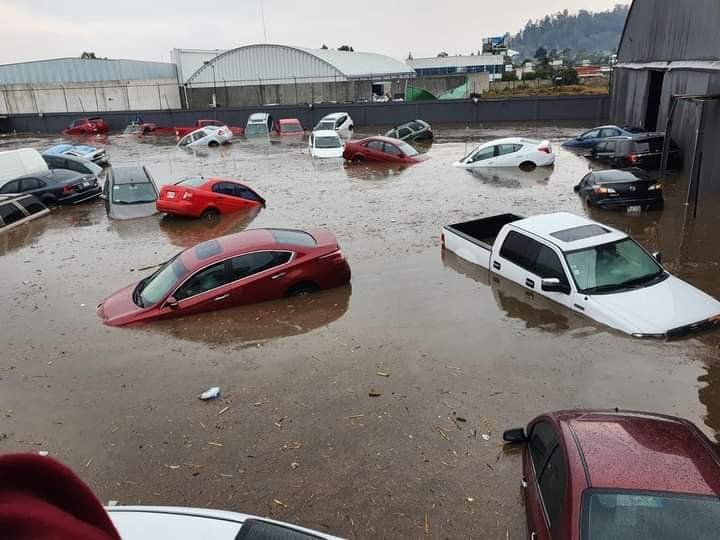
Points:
(277, 64)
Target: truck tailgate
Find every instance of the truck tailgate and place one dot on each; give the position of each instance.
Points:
(473, 252)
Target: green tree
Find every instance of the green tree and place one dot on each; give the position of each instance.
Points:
(324, 47)
(568, 75)
(88, 56)
(509, 76)
(540, 52)
(347, 48)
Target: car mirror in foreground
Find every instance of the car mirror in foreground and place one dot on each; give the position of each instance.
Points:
(514, 436)
(171, 303)
(657, 256)
(554, 285)
(576, 188)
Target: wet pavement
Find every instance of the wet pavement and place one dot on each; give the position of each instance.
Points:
(296, 435)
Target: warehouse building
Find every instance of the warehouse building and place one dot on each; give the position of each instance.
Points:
(268, 74)
(87, 85)
(669, 68)
(492, 64)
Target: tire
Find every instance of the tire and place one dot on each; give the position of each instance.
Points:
(358, 159)
(213, 144)
(527, 166)
(48, 200)
(302, 289)
(210, 213)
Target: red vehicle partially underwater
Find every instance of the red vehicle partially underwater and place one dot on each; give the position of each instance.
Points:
(242, 268)
(382, 149)
(87, 126)
(206, 197)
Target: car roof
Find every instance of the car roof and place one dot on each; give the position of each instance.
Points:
(59, 148)
(131, 174)
(258, 117)
(509, 140)
(546, 226)
(381, 138)
(644, 451)
(288, 121)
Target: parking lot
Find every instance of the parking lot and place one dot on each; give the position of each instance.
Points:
(296, 435)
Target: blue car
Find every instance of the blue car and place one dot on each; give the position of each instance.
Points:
(90, 153)
(593, 136)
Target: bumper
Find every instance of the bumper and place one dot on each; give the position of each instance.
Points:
(82, 196)
(177, 208)
(648, 203)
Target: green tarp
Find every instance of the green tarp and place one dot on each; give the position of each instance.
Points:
(456, 93)
(418, 94)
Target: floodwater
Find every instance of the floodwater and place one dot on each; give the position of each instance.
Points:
(296, 435)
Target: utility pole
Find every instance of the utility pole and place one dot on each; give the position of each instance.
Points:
(262, 14)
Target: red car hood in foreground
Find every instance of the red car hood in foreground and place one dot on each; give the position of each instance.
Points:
(115, 310)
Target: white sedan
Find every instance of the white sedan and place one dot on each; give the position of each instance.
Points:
(510, 152)
(206, 136)
(326, 144)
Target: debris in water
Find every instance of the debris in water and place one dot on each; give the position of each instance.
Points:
(382, 374)
(224, 410)
(485, 437)
(280, 503)
(43, 453)
(215, 444)
(211, 393)
(442, 433)
(294, 465)
(374, 393)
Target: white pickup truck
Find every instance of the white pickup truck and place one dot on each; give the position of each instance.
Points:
(587, 267)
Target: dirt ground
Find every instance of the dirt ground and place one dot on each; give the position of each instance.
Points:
(296, 435)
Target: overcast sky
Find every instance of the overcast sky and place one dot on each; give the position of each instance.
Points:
(148, 29)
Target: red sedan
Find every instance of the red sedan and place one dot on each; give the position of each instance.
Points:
(242, 268)
(206, 197)
(384, 149)
(87, 126)
(612, 474)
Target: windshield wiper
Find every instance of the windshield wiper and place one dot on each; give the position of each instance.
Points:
(643, 280)
(137, 293)
(604, 288)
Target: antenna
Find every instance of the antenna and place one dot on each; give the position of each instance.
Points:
(262, 13)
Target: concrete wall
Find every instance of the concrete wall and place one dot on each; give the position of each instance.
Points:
(591, 109)
(114, 96)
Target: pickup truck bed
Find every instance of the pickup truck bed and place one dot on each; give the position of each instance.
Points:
(473, 240)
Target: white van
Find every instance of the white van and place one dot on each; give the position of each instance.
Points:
(15, 163)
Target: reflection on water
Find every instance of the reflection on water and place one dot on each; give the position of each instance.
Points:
(709, 391)
(23, 235)
(513, 177)
(186, 232)
(246, 326)
(373, 171)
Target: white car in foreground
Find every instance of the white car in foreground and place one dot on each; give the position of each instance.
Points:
(587, 267)
(325, 144)
(340, 122)
(510, 152)
(206, 136)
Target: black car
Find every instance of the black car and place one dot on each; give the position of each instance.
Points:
(56, 186)
(416, 130)
(642, 150)
(616, 188)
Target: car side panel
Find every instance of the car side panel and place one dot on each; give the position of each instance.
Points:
(534, 513)
(218, 298)
(271, 284)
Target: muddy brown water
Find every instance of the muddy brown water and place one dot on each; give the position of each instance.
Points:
(119, 405)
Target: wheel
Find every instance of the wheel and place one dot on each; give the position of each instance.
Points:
(527, 166)
(210, 213)
(48, 200)
(358, 159)
(302, 289)
(213, 144)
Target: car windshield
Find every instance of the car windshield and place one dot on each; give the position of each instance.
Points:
(325, 126)
(647, 515)
(406, 149)
(155, 288)
(613, 267)
(133, 193)
(327, 142)
(291, 128)
(256, 129)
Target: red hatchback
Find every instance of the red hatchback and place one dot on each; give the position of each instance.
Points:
(611, 474)
(87, 126)
(242, 268)
(206, 197)
(384, 149)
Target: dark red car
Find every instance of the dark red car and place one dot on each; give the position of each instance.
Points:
(206, 197)
(242, 268)
(384, 149)
(87, 126)
(180, 132)
(614, 474)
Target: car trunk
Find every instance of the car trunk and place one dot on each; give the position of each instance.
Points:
(634, 189)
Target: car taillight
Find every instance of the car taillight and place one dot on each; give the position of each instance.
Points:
(187, 196)
(632, 158)
(68, 189)
(655, 187)
(545, 149)
(604, 190)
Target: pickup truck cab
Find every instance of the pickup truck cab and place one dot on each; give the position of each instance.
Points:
(587, 267)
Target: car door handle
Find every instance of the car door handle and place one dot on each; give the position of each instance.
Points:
(523, 483)
(279, 276)
(530, 283)
(533, 535)
(223, 297)
(496, 265)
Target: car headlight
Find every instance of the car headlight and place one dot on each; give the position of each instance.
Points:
(648, 336)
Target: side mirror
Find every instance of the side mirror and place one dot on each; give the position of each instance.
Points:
(657, 256)
(576, 188)
(554, 285)
(171, 302)
(514, 436)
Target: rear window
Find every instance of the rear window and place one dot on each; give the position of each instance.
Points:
(141, 193)
(192, 182)
(649, 145)
(291, 128)
(294, 238)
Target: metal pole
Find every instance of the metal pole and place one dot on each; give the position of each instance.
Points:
(262, 14)
(668, 132)
(67, 109)
(214, 87)
(694, 182)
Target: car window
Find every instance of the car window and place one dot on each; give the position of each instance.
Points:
(31, 204)
(28, 184)
(293, 238)
(548, 265)
(486, 153)
(340, 121)
(198, 135)
(541, 443)
(416, 126)
(553, 482)
(205, 280)
(226, 188)
(253, 263)
(376, 145)
(74, 166)
(247, 194)
(404, 132)
(520, 250)
(392, 150)
(503, 149)
(192, 181)
(592, 134)
(11, 187)
(609, 132)
(10, 213)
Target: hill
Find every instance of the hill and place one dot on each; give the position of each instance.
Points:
(582, 33)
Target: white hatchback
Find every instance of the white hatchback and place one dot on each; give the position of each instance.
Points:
(207, 136)
(340, 122)
(510, 152)
(326, 144)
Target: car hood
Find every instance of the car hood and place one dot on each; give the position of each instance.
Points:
(421, 157)
(118, 307)
(657, 309)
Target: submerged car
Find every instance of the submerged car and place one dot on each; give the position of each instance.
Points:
(259, 125)
(326, 144)
(243, 268)
(340, 122)
(591, 137)
(72, 163)
(382, 149)
(631, 189)
(87, 126)
(593, 474)
(16, 210)
(207, 197)
(56, 186)
(96, 155)
(416, 130)
(211, 136)
(180, 132)
(509, 152)
(643, 150)
(288, 126)
(130, 192)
